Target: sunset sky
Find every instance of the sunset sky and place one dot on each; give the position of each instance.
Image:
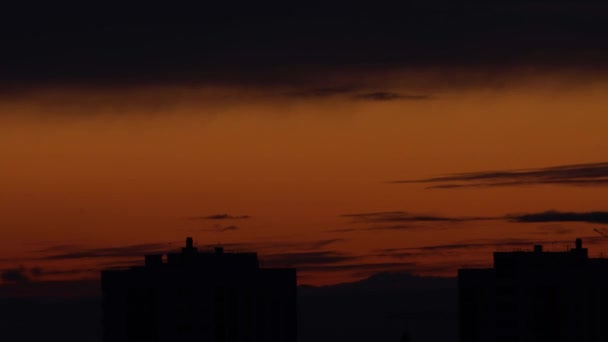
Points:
(343, 142)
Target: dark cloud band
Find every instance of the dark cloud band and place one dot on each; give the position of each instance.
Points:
(559, 216)
(263, 44)
(590, 174)
(404, 221)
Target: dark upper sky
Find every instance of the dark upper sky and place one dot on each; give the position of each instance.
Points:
(278, 41)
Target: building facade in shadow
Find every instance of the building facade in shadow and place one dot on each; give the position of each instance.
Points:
(536, 296)
(199, 296)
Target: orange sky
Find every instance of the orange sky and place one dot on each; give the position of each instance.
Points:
(87, 169)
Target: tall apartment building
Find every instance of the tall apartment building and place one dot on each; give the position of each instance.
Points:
(535, 296)
(199, 296)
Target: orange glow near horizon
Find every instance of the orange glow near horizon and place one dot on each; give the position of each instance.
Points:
(100, 171)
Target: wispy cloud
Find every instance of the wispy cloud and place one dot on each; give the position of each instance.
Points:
(81, 252)
(306, 258)
(395, 227)
(501, 243)
(67, 252)
(269, 247)
(590, 174)
(461, 245)
(16, 275)
(119, 264)
(321, 92)
(476, 244)
(561, 216)
(389, 96)
(228, 228)
(220, 217)
(404, 221)
(400, 221)
(222, 229)
(554, 229)
(397, 254)
(46, 272)
(403, 216)
(356, 94)
(22, 274)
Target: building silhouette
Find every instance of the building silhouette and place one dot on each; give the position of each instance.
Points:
(199, 296)
(536, 296)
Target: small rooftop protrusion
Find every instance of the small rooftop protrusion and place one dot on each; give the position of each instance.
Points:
(538, 248)
(189, 249)
(219, 250)
(579, 243)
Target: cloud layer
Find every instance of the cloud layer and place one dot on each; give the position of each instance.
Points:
(281, 42)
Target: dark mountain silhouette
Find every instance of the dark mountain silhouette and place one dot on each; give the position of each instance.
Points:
(382, 283)
(50, 319)
(69, 289)
(380, 308)
(358, 311)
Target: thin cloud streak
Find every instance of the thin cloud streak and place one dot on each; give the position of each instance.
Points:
(306, 258)
(383, 96)
(220, 217)
(403, 216)
(356, 93)
(554, 229)
(22, 274)
(396, 227)
(139, 250)
(500, 244)
(269, 247)
(401, 221)
(589, 174)
(321, 92)
(561, 216)
(544, 216)
(374, 220)
(109, 252)
(222, 229)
